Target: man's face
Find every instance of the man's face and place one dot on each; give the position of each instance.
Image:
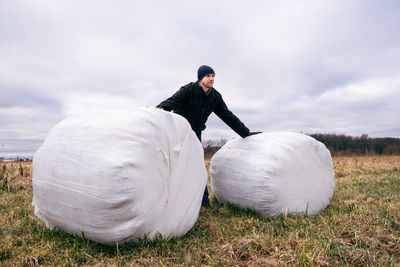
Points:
(208, 81)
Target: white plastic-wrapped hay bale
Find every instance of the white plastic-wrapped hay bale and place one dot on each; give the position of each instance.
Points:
(274, 173)
(120, 175)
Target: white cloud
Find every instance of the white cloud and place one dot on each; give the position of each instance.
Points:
(92, 102)
(368, 91)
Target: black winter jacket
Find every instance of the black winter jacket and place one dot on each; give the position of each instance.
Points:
(192, 103)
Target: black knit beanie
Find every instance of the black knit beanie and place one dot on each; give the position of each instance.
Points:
(203, 71)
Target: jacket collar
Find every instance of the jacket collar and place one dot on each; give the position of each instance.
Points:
(199, 91)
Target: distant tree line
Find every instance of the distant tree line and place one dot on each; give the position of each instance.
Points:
(212, 146)
(359, 145)
(338, 144)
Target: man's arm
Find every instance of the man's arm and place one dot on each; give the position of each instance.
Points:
(176, 101)
(222, 111)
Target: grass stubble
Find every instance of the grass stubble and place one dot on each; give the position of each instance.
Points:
(361, 227)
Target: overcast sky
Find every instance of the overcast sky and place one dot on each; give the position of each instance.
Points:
(306, 66)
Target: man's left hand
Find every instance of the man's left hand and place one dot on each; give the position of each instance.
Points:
(253, 133)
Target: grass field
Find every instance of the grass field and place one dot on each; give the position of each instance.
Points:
(361, 227)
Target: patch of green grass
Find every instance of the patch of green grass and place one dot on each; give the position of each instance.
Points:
(359, 228)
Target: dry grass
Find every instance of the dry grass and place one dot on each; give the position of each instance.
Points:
(361, 227)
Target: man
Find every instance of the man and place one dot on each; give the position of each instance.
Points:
(196, 100)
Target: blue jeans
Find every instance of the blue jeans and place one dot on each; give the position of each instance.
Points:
(205, 202)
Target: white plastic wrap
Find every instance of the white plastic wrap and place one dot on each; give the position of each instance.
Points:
(120, 175)
(274, 173)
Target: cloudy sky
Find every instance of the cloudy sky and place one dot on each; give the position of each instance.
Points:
(306, 66)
